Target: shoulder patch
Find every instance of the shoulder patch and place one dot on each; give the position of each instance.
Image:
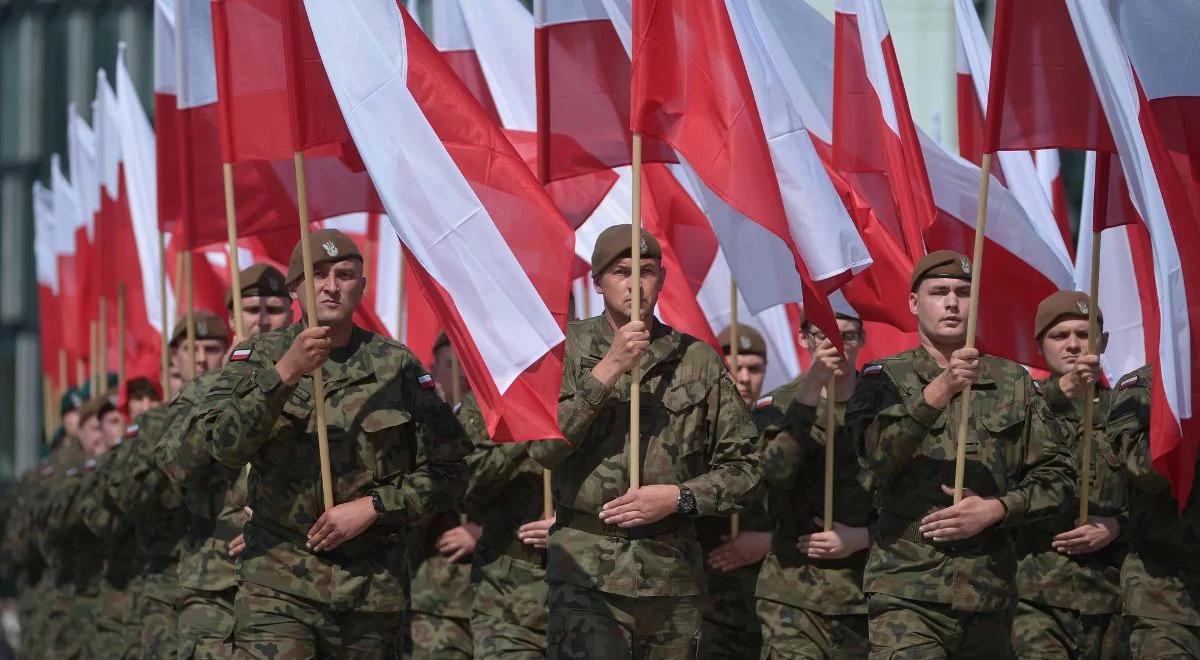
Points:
(89, 465)
(1128, 382)
(764, 402)
(240, 355)
(131, 430)
(425, 381)
(457, 407)
(72, 471)
(872, 369)
(47, 471)
(1037, 387)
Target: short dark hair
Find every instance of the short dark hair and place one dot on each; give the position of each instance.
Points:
(805, 325)
(141, 388)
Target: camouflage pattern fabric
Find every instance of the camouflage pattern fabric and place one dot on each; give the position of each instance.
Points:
(388, 434)
(22, 562)
(510, 612)
(797, 633)
(440, 637)
(206, 624)
(1160, 579)
(901, 628)
(813, 593)
(588, 624)
(1045, 631)
(440, 614)
(1016, 453)
(158, 612)
(273, 625)
(696, 431)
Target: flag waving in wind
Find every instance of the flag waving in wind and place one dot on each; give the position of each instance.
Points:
(488, 245)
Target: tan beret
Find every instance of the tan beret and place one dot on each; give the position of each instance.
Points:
(1060, 304)
(96, 407)
(208, 326)
(259, 280)
(750, 341)
(943, 263)
(328, 245)
(616, 243)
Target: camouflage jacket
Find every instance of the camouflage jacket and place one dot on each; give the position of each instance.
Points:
(66, 546)
(1089, 583)
(389, 434)
(1016, 452)
(794, 468)
(696, 431)
(20, 558)
(1161, 576)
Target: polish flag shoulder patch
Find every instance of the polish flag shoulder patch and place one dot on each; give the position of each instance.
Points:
(89, 465)
(1128, 382)
(1037, 387)
(131, 430)
(872, 369)
(240, 355)
(764, 402)
(425, 381)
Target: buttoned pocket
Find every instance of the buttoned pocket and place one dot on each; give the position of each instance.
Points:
(387, 441)
(1001, 450)
(685, 429)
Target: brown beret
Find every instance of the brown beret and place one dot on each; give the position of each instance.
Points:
(1060, 304)
(943, 263)
(259, 280)
(328, 245)
(616, 243)
(208, 326)
(96, 407)
(750, 341)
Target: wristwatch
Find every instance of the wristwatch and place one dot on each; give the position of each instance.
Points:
(377, 502)
(686, 504)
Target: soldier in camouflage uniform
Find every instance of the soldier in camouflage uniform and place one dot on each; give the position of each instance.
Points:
(1160, 579)
(331, 584)
(940, 577)
(214, 494)
(1069, 575)
(440, 613)
(810, 598)
(625, 568)
(730, 628)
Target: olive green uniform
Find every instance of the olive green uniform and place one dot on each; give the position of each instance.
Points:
(389, 436)
(617, 592)
(1070, 606)
(810, 608)
(951, 599)
(1160, 579)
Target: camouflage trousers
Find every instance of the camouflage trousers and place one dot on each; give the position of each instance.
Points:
(1160, 639)
(33, 612)
(272, 625)
(901, 629)
(1044, 632)
(435, 637)
(510, 615)
(160, 627)
(594, 625)
(729, 629)
(206, 624)
(118, 629)
(795, 633)
(70, 631)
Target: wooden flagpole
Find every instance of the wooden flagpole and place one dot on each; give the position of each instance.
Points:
(81, 373)
(121, 330)
(735, 520)
(310, 302)
(235, 270)
(102, 348)
(830, 435)
(63, 385)
(190, 291)
(401, 295)
(47, 408)
(93, 360)
(547, 496)
(1099, 214)
(964, 422)
(164, 359)
(635, 374)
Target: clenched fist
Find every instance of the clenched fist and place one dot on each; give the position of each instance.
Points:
(306, 354)
(1085, 372)
(962, 372)
(629, 344)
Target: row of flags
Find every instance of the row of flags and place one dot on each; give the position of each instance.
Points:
(779, 157)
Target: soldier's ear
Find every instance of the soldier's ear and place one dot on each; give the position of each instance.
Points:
(912, 303)
(1103, 346)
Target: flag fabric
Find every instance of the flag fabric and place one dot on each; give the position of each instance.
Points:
(46, 265)
(1049, 170)
(488, 246)
(746, 142)
(1116, 40)
(72, 264)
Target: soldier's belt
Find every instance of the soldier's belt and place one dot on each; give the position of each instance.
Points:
(369, 542)
(201, 529)
(519, 550)
(1171, 556)
(591, 523)
(898, 527)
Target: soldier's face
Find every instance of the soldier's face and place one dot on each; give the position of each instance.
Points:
(941, 305)
(265, 313)
(616, 286)
(209, 354)
(70, 422)
(853, 339)
(112, 427)
(91, 437)
(174, 380)
(748, 373)
(1064, 342)
(339, 288)
(443, 374)
(140, 405)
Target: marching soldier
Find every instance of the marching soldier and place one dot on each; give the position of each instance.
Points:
(1069, 575)
(213, 494)
(625, 569)
(1160, 579)
(810, 598)
(940, 576)
(330, 583)
(730, 628)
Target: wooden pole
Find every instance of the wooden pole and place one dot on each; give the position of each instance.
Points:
(635, 374)
(81, 375)
(964, 422)
(456, 394)
(63, 385)
(102, 348)
(735, 521)
(121, 330)
(830, 435)
(164, 360)
(235, 270)
(189, 292)
(547, 496)
(402, 295)
(310, 302)
(1099, 213)
(93, 361)
(48, 408)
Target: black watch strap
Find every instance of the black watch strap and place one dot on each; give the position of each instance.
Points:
(687, 501)
(377, 502)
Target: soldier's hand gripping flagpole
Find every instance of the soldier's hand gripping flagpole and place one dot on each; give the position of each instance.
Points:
(1099, 213)
(310, 304)
(635, 374)
(960, 458)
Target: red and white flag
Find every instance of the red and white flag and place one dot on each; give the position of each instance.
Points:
(463, 204)
(1140, 54)
(72, 264)
(46, 269)
(1049, 169)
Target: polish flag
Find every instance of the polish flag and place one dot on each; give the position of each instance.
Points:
(46, 268)
(748, 145)
(72, 265)
(1049, 169)
(488, 246)
(81, 155)
(1140, 60)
